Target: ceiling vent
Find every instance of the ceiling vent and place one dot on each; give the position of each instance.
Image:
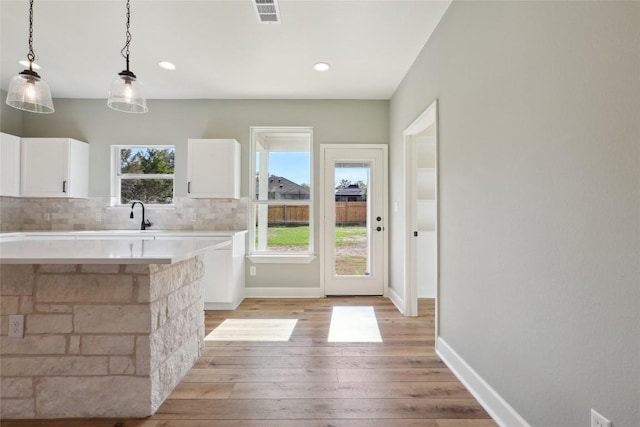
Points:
(268, 11)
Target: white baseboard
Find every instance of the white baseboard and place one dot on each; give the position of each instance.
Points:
(266, 292)
(222, 305)
(491, 401)
(396, 300)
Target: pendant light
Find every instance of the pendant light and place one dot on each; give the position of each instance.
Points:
(126, 91)
(27, 91)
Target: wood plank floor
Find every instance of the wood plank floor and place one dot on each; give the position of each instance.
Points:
(310, 382)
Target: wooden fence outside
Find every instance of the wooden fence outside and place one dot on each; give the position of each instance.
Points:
(351, 213)
(346, 213)
(288, 214)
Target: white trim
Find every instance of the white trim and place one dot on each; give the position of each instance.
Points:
(222, 305)
(127, 208)
(410, 291)
(396, 300)
(427, 117)
(117, 176)
(296, 292)
(281, 259)
(491, 401)
(253, 130)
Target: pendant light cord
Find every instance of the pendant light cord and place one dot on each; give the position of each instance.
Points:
(31, 56)
(125, 49)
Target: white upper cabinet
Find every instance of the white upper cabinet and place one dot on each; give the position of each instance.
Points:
(9, 165)
(54, 167)
(213, 169)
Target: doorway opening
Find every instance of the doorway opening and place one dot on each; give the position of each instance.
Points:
(421, 223)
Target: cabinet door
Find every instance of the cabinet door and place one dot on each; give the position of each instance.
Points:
(218, 280)
(78, 185)
(45, 163)
(213, 168)
(54, 167)
(9, 165)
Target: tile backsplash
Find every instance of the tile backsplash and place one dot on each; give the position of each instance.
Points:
(53, 214)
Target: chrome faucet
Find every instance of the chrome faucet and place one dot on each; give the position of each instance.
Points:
(145, 222)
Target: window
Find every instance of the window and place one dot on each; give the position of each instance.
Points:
(281, 203)
(144, 173)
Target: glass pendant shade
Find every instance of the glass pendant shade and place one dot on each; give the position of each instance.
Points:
(27, 92)
(126, 94)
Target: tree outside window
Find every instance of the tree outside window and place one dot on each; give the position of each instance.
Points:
(145, 173)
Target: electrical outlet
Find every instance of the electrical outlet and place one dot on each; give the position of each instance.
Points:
(598, 420)
(252, 270)
(16, 326)
(47, 216)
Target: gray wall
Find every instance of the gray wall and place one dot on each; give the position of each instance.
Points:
(539, 120)
(175, 121)
(10, 118)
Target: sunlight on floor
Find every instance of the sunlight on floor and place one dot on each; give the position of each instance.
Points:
(253, 330)
(354, 324)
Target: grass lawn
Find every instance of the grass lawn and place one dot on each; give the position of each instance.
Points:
(351, 243)
(345, 235)
(288, 236)
(299, 236)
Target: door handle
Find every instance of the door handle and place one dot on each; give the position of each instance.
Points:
(378, 228)
(189, 187)
(64, 186)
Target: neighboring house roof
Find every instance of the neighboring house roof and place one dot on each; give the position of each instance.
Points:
(352, 190)
(284, 188)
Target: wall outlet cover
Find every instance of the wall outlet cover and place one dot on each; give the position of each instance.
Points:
(16, 326)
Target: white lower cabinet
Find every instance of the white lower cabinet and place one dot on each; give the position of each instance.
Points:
(223, 273)
(218, 277)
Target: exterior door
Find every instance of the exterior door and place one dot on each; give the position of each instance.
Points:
(354, 234)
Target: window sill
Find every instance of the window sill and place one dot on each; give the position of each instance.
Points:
(281, 259)
(147, 208)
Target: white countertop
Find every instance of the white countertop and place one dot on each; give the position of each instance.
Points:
(147, 234)
(124, 250)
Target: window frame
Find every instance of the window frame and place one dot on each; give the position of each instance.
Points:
(117, 176)
(267, 256)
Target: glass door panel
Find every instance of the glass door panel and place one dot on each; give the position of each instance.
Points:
(352, 217)
(353, 230)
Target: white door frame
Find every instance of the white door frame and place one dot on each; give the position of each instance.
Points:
(410, 297)
(385, 208)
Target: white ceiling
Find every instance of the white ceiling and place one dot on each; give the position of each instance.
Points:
(220, 49)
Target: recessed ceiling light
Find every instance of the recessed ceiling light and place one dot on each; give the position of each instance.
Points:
(166, 65)
(321, 66)
(25, 63)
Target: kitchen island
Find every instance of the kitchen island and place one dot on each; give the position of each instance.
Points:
(111, 326)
